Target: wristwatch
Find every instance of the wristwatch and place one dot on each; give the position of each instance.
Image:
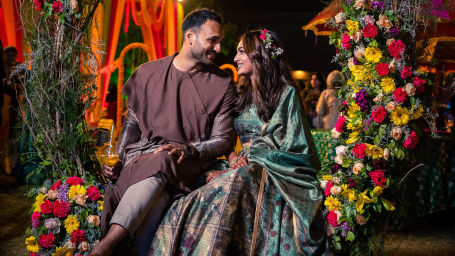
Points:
(191, 152)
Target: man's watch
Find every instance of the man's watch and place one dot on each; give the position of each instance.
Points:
(191, 152)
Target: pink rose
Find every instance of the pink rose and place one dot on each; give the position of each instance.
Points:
(378, 177)
(399, 95)
(411, 141)
(379, 114)
(406, 72)
(340, 123)
(359, 150)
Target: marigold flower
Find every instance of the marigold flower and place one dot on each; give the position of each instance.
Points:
(400, 116)
(332, 203)
(75, 191)
(373, 54)
(71, 223)
(352, 25)
(38, 201)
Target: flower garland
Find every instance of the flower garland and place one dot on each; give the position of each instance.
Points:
(65, 218)
(382, 104)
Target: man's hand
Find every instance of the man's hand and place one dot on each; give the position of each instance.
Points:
(112, 173)
(175, 149)
(215, 174)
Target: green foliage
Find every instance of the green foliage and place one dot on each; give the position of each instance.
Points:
(59, 88)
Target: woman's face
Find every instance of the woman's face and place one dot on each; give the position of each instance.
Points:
(315, 83)
(244, 65)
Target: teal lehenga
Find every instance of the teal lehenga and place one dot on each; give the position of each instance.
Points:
(270, 207)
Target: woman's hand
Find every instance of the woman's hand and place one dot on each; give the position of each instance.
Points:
(238, 162)
(215, 174)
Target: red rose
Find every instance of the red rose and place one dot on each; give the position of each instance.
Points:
(93, 193)
(359, 150)
(36, 219)
(78, 236)
(406, 72)
(332, 218)
(38, 4)
(377, 176)
(46, 241)
(56, 185)
(370, 31)
(396, 49)
(33, 254)
(61, 208)
(345, 41)
(72, 181)
(411, 141)
(57, 6)
(340, 123)
(382, 69)
(46, 207)
(399, 95)
(379, 114)
(419, 84)
(327, 188)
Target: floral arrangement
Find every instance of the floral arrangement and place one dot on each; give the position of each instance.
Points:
(65, 218)
(382, 114)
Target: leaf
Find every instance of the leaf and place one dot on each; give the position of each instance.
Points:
(412, 100)
(350, 236)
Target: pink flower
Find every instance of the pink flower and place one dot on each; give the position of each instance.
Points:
(61, 208)
(46, 241)
(406, 72)
(382, 69)
(327, 188)
(46, 207)
(378, 177)
(56, 185)
(36, 219)
(340, 123)
(419, 84)
(38, 4)
(400, 95)
(345, 41)
(72, 181)
(57, 6)
(379, 114)
(359, 150)
(411, 141)
(77, 236)
(93, 193)
(332, 219)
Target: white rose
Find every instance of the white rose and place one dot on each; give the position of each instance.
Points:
(336, 180)
(356, 36)
(340, 18)
(323, 184)
(351, 62)
(84, 246)
(359, 4)
(386, 153)
(391, 106)
(357, 168)
(339, 159)
(335, 190)
(397, 132)
(341, 150)
(369, 19)
(335, 133)
(359, 52)
(378, 98)
(410, 89)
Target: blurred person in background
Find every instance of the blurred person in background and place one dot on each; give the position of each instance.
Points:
(328, 103)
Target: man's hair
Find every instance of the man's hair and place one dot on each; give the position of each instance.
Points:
(195, 19)
(10, 49)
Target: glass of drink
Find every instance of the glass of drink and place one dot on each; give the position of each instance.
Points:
(109, 156)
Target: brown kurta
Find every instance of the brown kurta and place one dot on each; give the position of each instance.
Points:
(168, 105)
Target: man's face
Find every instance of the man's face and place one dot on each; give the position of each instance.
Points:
(206, 42)
(10, 57)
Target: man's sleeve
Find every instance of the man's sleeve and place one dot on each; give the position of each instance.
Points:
(222, 137)
(131, 133)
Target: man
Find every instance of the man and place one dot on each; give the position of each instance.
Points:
(179, 119)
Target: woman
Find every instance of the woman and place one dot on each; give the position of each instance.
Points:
(310, 99)
(268, 201)
(328, 103)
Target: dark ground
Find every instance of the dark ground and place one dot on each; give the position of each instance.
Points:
(433, 234)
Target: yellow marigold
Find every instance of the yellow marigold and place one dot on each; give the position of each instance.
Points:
(373, 151)
(332, 203)
(353, 137)
(358, 71)
(417, 112)
(373, 54)
(75, 191)
(354, 126)
(58, 251)
(327, 177)
(353, 108)
(101, 202)
(352, 25)
(348, 193)
(38, 201)
(400, 116)
(71, 224)
(388, 84)
(32, 244)
(361, 200)
(378, 190)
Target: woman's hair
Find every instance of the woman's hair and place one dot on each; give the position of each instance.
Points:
(272, 74)
(335, 80)
(321, 79)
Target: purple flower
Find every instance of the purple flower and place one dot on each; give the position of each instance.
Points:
(348, 1)
(355, 61)
(335, 168)
(63, 192)
(345, 226)
(361, 99)
(366, 124)
(395, 32)
(352, 183)
(378, 4)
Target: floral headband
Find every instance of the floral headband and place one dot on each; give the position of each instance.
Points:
(266, 37)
